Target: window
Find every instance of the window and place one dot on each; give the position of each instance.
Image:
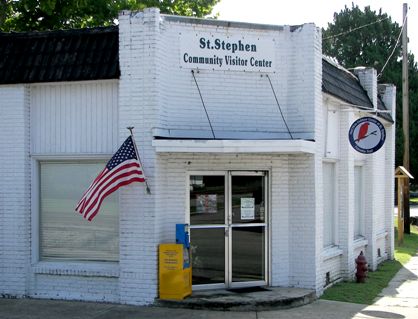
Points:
(358, 201)
(64, 234)
(329, 203)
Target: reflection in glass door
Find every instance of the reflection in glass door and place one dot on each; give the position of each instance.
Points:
(207, 228)
(228, 213)
(248, 248)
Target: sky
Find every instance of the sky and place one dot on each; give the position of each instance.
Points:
(320, 12)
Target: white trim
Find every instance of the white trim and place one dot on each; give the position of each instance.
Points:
(85, 269)
(330, 252)
(360, 242)
(71, 156)
(234, 146)
(330, 160)
(381, 234)
(74, 82)
(35, 186)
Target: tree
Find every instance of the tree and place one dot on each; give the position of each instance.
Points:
(28, 15)
(353, 45)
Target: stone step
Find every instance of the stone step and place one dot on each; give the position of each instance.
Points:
(244, 299)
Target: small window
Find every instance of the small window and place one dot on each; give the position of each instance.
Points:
(358, 202)
(329, 203)
(64, 234)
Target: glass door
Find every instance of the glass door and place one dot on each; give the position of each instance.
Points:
(248, 249)
(207, 206)
(228, 222)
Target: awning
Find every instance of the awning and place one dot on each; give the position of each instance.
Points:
(234, 146)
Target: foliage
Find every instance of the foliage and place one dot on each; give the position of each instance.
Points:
(409, 247)
(371, 46)
(365, 293)
(28, 15)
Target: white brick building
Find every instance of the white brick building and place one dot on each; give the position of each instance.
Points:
(266, 175)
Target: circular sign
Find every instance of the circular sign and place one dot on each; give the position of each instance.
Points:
(367, 135)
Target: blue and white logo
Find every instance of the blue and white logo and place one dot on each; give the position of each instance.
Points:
(367, 135)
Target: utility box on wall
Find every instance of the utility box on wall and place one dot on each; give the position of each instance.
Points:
(175, 273)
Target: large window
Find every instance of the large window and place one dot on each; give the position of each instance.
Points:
(64, 234)
(329, 203)
(358, 201)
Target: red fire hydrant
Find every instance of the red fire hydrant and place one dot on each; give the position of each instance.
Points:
(361, 265)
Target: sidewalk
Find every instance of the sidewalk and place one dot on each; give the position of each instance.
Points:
(398, 300)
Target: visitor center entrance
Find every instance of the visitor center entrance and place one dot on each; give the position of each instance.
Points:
(228, 228)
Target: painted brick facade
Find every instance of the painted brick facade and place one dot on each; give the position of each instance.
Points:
(154, 93)
(14, 190)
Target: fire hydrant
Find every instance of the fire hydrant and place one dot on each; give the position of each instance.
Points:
(361, 265)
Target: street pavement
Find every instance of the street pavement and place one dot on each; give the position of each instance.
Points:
(399, 300)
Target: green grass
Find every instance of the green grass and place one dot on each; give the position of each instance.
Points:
(414, 200)
(365, 293)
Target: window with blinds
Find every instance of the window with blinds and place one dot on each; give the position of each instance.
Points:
(64, 234)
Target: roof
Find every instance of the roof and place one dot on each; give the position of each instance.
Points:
(64, 55)
(344, 85)
(93, 54)
(402, 172)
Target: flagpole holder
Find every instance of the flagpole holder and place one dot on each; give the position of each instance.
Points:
(131, 128)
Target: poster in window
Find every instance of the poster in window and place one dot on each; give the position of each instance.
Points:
(206, 204)
(247, 208)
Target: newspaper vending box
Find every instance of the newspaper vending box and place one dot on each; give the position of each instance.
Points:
(175, 273)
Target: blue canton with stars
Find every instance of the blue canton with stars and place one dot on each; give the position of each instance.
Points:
(124, 153)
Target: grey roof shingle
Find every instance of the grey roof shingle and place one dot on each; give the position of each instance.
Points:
(64, 55)
(346, 86)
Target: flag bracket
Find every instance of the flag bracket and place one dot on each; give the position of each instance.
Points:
(131, 128)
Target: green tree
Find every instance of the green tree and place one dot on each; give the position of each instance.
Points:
(28, 15)
(367, 38)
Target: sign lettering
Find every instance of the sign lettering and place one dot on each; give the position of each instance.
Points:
(216, 52)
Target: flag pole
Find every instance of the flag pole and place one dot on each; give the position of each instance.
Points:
(130, 128)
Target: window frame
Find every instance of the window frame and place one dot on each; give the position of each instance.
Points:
(334, 227)
(36, 160)
(362, 205)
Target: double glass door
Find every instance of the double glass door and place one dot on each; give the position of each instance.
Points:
(228, 225)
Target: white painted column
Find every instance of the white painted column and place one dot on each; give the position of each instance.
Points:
(138, 105)
(14, 190)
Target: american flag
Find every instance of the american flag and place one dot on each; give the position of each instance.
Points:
(122, 169)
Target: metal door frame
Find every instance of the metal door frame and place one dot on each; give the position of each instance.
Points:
(228, 225)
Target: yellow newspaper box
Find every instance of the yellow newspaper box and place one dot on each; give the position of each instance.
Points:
(175, 278)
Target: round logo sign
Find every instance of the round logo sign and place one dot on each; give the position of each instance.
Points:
(367, 135)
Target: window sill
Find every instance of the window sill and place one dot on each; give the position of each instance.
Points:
(381, 235)
(84, 269)
(331, 252)
(360, 242)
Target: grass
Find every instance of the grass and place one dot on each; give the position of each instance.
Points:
(414, 200)
(377, 280)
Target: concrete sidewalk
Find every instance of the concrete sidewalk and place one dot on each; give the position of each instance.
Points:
(398, 300)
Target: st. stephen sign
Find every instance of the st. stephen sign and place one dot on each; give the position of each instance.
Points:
(221, 52)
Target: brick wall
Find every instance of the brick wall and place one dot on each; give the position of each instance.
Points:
(139, 99)
(14, 190)
(290, 226)
(377, 188)
(237, 100)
